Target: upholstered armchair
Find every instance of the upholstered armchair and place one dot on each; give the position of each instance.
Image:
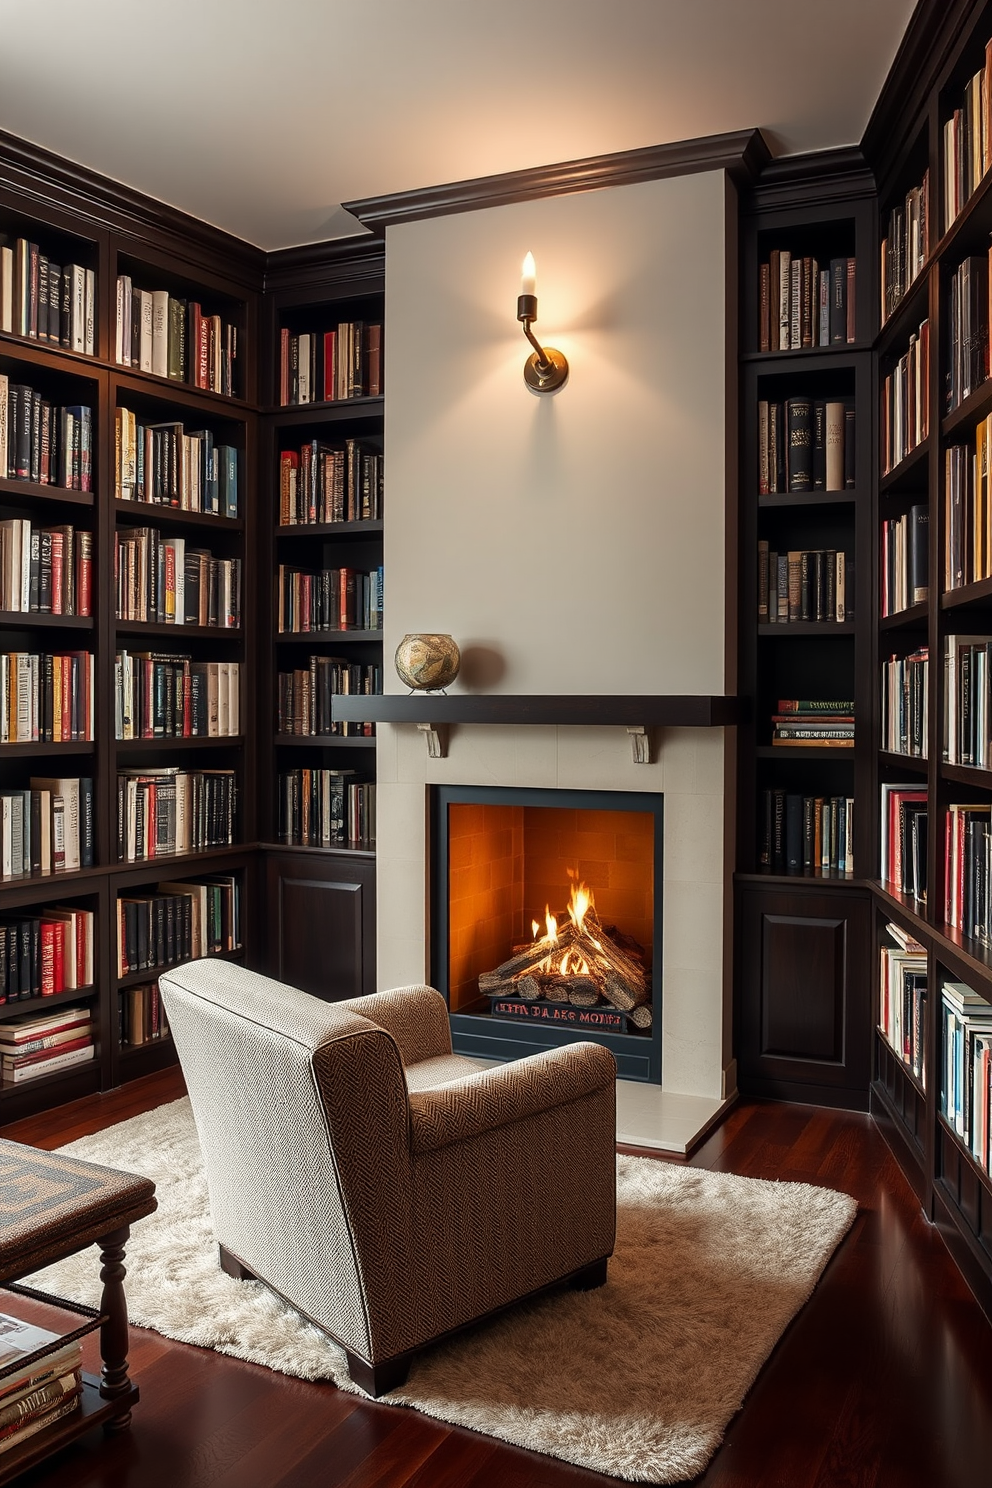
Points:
(388, 1189)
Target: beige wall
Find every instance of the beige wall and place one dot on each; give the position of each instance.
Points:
(575, 541)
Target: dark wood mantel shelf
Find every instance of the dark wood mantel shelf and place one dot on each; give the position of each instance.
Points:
(433, 711)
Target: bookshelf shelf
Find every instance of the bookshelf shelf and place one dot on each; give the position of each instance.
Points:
(800, 752)
(29, 619)
(346, 410)
(909, 312)
(27, 751)
(969, 596)
(311, 637)
(177, 742)
(889, 759)
(909, 473)
(967, 775)
(190, 632)
(138, 512)
(914, 618)
(22, 1005)
(325, 741)
(784, 628)
(33, 491)
(329, 529)
(152, 973)
(800, 500)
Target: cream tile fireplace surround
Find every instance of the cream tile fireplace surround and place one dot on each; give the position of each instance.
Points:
(573, 543)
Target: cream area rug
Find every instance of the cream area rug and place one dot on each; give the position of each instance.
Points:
(638, 1379)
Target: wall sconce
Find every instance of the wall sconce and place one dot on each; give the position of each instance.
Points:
(546, 369)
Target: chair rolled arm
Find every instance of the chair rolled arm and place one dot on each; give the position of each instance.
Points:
(497, 1097)
(415, 1017)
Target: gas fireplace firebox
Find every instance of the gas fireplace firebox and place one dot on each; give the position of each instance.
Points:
(546, 921)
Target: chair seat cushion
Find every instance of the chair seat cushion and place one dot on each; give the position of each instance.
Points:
(440, 1070)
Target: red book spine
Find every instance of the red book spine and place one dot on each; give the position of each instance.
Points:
(84, 584)
(330, 366)
(47, 958)
(57, 551)
(170, 584)
(80, 949)
(203, 352)
(187, 705)
(151, 820)
(58, 956)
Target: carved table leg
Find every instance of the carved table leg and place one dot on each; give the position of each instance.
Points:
(114, 1380)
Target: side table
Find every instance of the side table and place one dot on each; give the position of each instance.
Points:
(50, 1207)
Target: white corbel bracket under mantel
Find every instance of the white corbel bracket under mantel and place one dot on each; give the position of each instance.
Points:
(433, 712)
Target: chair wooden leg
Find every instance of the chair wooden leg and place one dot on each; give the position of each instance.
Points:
(590, 1277)
(379, 1379)
(234, 1267)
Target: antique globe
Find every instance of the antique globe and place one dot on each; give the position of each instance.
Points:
(427, 662)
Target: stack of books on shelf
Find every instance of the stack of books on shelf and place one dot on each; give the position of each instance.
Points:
(904, 247)
(326, 808)
(805, 584)
(322, 367)
(40, 1380)
(46, 301)
(331, 599)
(968, 329)
(169, 811)
(45, 570)
(142, 1016)
(45, 1044)
(305, 695)
(164, 465)
(802, 304)
(967, 867)
(967, 700)
(966, 1067)
(905, 561)
(158, 696)
(159, 578)
(806, 444)
(968, 510)
(808, 835)
(47, 827)
(967, 142)
(902, 1013)
(46, 953)
(42, 441)
(324, 483)
(905, 704)
(178, 922)
(170, 337)
(46, 699)
(904, 838)
(906, 401)
(814, 723)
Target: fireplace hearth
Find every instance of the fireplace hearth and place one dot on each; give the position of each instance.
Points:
(546, 920)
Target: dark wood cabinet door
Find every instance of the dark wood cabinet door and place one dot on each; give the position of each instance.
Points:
(321, 922)
(804, 994)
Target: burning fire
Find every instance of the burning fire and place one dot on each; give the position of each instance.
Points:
(570, 962)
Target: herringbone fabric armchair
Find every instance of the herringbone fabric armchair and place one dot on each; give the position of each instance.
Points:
(385, 1187)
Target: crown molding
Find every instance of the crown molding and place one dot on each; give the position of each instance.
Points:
(742, 154)
(355, 264)
(814, 179)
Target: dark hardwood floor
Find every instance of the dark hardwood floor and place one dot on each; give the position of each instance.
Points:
(883, 1381)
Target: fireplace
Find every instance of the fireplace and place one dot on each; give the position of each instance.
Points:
(546, 920)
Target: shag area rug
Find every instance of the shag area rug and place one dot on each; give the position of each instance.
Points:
(638, 1379)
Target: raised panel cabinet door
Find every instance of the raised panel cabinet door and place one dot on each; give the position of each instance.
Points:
(804, 982)
(321, 927)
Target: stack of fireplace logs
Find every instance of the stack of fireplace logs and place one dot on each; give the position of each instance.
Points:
(611, 969)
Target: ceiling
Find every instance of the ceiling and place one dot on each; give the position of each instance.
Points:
(262, 117)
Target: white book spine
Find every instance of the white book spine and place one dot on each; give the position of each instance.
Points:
(160, 333)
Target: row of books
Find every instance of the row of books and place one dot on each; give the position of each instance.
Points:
(906, 401)
(967, 865)
(966, 1067)
(323, 367)
(45, 570)
(820, 724)
(170, 337)
(165, 464)
(803, 304)
(905, 704)
(904, 246)
(43, 442)
(47, 953)
(46, 827)
(142, 1015)
(967, 142)
(331, 599)
(905, 560)
(158, 578)
(44, 300)
(967, 700)
(326, 808)
(327, 483)
(46, 699)
(902, 1002)
(169, 811)
(178, 922)
(968, 510)
(808, 835)
(967, 329)
(804, 584)
(305, 695)
(40, 1383)
(158, 696)
(903, 856)
(44, 1044)
(806, 444)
